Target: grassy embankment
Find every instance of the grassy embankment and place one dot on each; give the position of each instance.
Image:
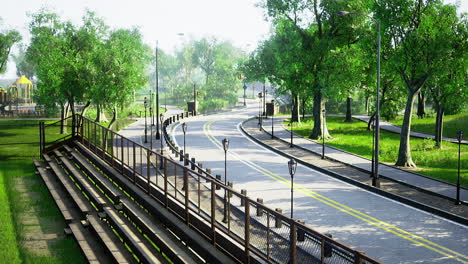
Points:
(31, 229)
(452, 124)
(355, 138)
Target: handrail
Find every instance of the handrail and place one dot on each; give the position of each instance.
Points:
(256, 228)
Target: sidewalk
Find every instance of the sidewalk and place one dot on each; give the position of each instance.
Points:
(357, 169)
(397, 129)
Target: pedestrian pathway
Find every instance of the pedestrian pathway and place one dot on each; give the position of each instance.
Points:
(397, 129)
(391, 172)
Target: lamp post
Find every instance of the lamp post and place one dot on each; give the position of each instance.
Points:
(272, 114)
(161, 119)
(245, 88)
(194, 100)
(151, 108)
(260, 96)
(158, 136)
(375, 178)
(264, 98)
(146, 128)
(225, 142)
(291, 124)
(323, 133)
(292, 165)
(459, 137)
(184, 129)
(151, 127)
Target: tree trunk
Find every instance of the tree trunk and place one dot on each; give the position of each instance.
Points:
(348, 110)
(111, 123)
(320, 127)
(98, 114)
(367, 105)
(295, 108)
(62, 117)
(72, 108)
(439, 125)
(421, 105)
(303, 107)
(404, 152)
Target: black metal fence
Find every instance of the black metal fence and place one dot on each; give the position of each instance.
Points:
(250, 233)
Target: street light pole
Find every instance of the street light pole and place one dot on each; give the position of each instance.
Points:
(272, 114)
(375, 178)
(151, 128)
(291, 124)
(146, 128)
(158, 136)
(245, 88)
(323, 133)
(260, 96)
(264, 98)
(151, 108)
(161, 118)
(292, 165)
(225, 142)
(459, 137)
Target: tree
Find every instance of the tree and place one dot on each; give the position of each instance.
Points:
(417, 32)
(23, 67)
(7, 39)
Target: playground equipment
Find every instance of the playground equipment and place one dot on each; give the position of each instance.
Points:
(18, 92)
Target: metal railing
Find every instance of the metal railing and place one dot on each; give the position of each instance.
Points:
(252, 232)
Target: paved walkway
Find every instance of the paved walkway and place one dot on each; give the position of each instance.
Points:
(391, 172)
(397, 129)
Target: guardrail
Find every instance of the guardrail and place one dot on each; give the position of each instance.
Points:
(247, 230)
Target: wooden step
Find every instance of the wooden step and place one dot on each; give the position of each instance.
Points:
(110, 241)
(82, 180)
(105, 184)
(170, 246)
(60, 198)
(80, 201)
(139, 245)
(88, 243)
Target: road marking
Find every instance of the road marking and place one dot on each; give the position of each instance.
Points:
(341, 207)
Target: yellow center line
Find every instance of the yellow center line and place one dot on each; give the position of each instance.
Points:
(341, 207)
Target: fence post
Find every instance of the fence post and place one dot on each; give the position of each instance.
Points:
(213, 213)
(165, 183)
(40, 137)
(192, 165)
(357, 257)
(186, 161)
(148, 169)
(293, 230)
(122, 157)
(186, 186)
(244, 200)
(247, 230)
(181, 155)
(208, 174)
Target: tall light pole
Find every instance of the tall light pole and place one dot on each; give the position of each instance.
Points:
(272, 114)
(291, 123)
(260, 96)
(292, 165)
(161, 119)
(146, 128)
(459, 137)
(151, 108)
(323, 133)
(225, 142)
(375, 178)
(194, 100)
(245, 88)
(151, 128)
(158, 136)
(184, 129)
(264, 98)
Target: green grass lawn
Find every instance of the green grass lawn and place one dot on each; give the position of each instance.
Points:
(452, 124)
(19, 144)
(354, 137)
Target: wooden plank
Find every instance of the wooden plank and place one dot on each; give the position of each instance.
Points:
(110, 241)
(140, 246)
(76, 195)
(109, 188)
(82, 180)
(158, 234)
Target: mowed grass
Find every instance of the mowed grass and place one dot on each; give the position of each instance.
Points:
(355, 138)
(452, 124)
(19, 143)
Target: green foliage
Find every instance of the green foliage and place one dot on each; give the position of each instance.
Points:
(7, 39)
(452, 124)
(212, 105)
(355, 138)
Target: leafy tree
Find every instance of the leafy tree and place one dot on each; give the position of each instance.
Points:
(23, 67)
(7, 39)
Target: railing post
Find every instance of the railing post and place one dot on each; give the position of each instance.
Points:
(165, 183)
(148, 169)
(192, 165)
(186, 187)
(181, 155)
(40, 137)
(247, 230)
(213, 213)
(134, 163)
(122, 156)
(293, 234)
(357, 257)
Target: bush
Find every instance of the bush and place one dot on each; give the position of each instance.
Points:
(212, 105)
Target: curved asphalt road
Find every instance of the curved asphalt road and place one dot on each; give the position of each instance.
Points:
(384, 229)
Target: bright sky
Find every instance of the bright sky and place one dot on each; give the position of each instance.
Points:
(237, 20)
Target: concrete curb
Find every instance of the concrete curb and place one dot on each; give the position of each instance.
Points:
(392, 196)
